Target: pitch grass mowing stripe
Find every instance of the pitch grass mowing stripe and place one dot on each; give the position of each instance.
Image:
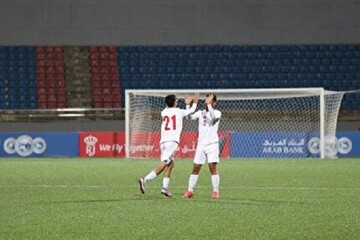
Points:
(183, 187)
(99, 199)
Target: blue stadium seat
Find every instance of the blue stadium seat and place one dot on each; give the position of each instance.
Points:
(237, 66)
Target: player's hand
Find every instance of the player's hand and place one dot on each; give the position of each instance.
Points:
(196, 97)
(188, 100)
(209, 99)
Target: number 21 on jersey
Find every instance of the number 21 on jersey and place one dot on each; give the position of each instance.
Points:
(170, 122)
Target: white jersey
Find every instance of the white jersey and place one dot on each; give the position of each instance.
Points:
(208, 125)
(172, 123)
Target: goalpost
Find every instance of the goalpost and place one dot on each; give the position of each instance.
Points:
(285, 122)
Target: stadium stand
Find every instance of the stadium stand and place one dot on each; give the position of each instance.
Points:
(17, 78)
(50, 78)
(334, 67)
(97, 76)
(104, 77)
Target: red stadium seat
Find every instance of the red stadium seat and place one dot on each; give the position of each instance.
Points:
(96, 84)
(93, 49)
(58, 49)
(104, 63)
(51, 98)
(97, 98)
(51, 105)
(41, 91)
(49, 49)
(105, 70)
(39, 50)
(58, 62)
(49, 69)
(40, 56)
(98, 105)
(42, 98)
(59, 69)
(116, 104)
(96, 91)
(95, 70)
(112, 49)
(107, 98)
(61, 91)
(50, 55)
(42, 105)
(108, 105)
(113, 56)
(115, 84)
(60, 81)
(106, 91)
(61, 98)
(51, 91)
(40, 77)
(41, 84)
(61, 104)
(113, 63)
(114, 70)
(40, 62)
(115, 91)
(102, 49)
(105, 84)
(59, 56)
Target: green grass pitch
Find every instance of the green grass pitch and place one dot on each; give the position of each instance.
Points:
(99, 199)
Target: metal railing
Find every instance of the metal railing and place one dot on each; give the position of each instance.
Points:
(63, 114)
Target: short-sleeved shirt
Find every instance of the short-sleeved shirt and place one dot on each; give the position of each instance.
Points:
(172, 123)
(208, 127)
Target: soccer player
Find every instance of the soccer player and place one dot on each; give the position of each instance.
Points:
(171, 127)
(207, 147)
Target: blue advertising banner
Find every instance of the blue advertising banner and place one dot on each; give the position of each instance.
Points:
(269, 144)
(292, 145)
(348, 144)
(39, 145)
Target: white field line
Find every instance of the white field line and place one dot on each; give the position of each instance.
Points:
(136, 186)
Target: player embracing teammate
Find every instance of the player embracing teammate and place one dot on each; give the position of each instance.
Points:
(207, 147)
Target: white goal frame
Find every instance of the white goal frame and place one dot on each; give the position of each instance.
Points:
(316, 91)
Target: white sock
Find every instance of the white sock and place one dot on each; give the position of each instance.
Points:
(215, 180)
(192, 182)
(150, 176)
(166, 182)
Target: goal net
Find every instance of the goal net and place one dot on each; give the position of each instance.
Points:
(258, 123)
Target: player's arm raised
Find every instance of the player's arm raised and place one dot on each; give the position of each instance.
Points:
(188, 100)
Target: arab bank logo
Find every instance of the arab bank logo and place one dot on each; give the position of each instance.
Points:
(24, 145)
(90, 142)
(333, 146)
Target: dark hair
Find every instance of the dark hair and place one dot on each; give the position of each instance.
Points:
(214, 96)
(170, 100)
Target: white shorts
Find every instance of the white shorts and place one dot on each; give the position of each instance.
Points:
(168, 151)
(209, 152)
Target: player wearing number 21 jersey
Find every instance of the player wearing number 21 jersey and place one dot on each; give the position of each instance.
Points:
(171, 127)
(172, 121)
